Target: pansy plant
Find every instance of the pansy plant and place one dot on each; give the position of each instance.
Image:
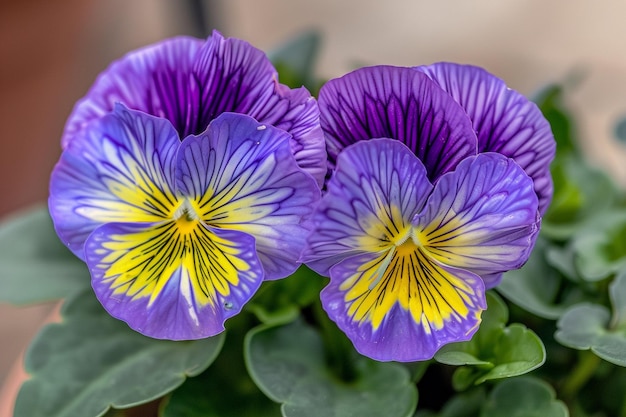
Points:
(187, 177)
(420, 217)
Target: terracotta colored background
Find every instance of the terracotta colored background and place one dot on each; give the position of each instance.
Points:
(51, 51)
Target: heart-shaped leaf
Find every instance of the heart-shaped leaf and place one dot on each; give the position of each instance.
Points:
(225, 389)
(90, 362)
(495, 351)
(288, 365)
(34, 265)
(590, 326)
(523, 397)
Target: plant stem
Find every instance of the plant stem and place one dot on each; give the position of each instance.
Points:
(583, 371)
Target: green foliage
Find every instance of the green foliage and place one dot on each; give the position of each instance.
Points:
(580, 194)
(550, 101)
(295, 61)
(495, 351)
(288, 364)
(280, 302)
(600, 247)
(90, 362)
(523, 397)
(34, 265)
(592, 326)
(538, 287)
(225, 389)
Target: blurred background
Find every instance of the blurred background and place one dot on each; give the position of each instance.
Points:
(51, 51)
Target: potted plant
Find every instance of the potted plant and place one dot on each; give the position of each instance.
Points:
(227, 245)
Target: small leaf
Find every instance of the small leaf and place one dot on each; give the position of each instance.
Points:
(34, 265)
(590, 326)
(495, 351)
(537, 287)
(523, 397)
(288, 365)
(600, 247)
(90, 362)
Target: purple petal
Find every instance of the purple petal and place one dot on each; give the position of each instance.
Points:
(171, 280)
(377, 188)
(406, 310)
(120, 168)
(242, 176)
(191, 82)
(233, 76)
(397, 103)
(482, 217)
(155, 79)
(505, 121)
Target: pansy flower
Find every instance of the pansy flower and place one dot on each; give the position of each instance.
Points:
(179, 234)
(406, 258)
(422, 213)
(190, 82)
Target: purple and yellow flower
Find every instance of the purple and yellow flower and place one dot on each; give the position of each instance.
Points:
(436, 192)
(190, 82)
(407, 258)
(178, 235)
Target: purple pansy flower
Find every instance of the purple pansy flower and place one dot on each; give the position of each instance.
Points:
(190, 82)
(407, 258)
(436, 192)
(178, 235)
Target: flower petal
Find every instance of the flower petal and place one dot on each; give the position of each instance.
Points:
(119, 169)
(400, 305)
(397, 103)
(154, 79)
(234, 76)
(482, 217)
(169, 281)
(505, 121)
(242, 176)
(377, 188)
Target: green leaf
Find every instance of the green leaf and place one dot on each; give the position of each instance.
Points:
(550, 102)
(495, 351)
(288, 365)
(537, 287)
(295, 60)
(590, 326)
(225, 389)
(523, 397)
(34, 265)
(580, 193)
(600, 247)
(280, 302)
(90, 362)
